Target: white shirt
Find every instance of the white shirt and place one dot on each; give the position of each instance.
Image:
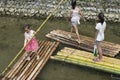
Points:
(28, 36)
(75, 16)
(101, 28)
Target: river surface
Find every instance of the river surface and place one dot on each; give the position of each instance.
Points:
(11, 41)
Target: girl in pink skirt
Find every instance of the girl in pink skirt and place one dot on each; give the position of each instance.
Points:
(30, 42)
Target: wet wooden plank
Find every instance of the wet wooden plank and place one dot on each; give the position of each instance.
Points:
(17, 71)
(109, 49)
(29, 66)
(28, 70)
(53, 48)
(84, 58)
(34, 65)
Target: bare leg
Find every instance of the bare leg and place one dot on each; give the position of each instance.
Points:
(99, 58)
(69, 35)
(27, 56)
(77, 33)
(100, 52)
(37, 56)
(72, 29)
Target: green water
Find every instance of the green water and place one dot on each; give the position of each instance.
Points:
(55, 70)
(11, 41)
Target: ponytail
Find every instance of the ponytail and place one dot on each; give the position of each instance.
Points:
(73, 3)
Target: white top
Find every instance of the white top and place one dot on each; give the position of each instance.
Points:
(28, 36)
(101, 28)
(75, 15)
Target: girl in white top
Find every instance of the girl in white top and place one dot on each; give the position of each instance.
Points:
(30, 42)
(99, 36)
(75, 14)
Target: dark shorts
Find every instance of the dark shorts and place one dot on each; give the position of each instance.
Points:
(97, 42)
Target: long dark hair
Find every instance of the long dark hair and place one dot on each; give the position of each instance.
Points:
(101, 17)
(27, 26)
(73, 3)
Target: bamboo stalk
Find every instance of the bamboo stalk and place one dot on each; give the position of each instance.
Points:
(16, 65)
(87, 38)
(42, 53)
(87, 43)
(39, 62)
(117, 66)
(84, 63)
(27, 72)
(89, 55)
(50, 51)
(16, 70)
(92, 40)
(69, 43)
(25, 68)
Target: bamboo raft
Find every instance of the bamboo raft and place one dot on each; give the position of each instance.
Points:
(84, 58)
(109, 49)
(28, 70)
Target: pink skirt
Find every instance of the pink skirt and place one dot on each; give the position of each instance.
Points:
(32, 45)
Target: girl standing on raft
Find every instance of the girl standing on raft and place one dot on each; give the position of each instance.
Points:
(31, 44)
(75, 14)
(99, 35)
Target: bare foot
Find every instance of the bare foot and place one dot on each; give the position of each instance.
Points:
(69, 36)
(37, 57)
(28, 58)
(79, 41)
(97, 60)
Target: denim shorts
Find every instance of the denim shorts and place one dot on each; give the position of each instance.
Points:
(97, 42)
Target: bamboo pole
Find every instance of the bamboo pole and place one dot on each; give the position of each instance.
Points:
(87, 42)
(50, 51)
(16, 70)
(91, 39)
(21, 67)
(26, 68)
(40, 61)
(89, 55)
(42, 53)
(117, 66)
(84, 63)
(68, 42)
(83, 39)
(16, 65)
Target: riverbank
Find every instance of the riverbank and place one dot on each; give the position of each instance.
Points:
(40, 8)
